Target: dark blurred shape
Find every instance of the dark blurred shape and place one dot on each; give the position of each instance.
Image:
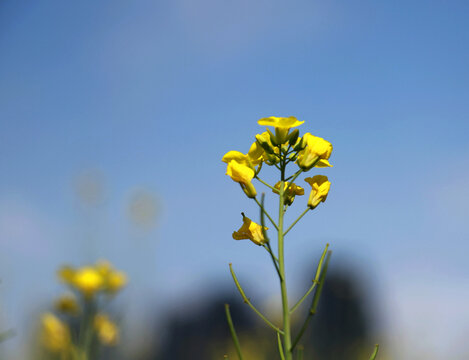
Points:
(339, 331)
(341, 328)
(194, 335)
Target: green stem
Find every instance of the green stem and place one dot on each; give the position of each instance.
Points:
(262, 181)
(283, 285)
(299, 218)
(315, 280)
(266, 238)
(280, 347)
(233, 332)
(265, 212)
(247, 301)
(269, 250)
(314, 305)
(375, 352)
(299, 353)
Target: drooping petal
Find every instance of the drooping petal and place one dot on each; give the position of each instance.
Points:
(320, 186)
(250, 231)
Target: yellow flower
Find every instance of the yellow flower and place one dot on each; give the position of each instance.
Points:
(88, 280)
(250, 231)
(251, 159)
(66, 274)
(108, 332)
(317, 152)
(255, 153)
(280, 122)
(55, 335)
(291, 191)
(237, 156)
(320, 186)
(116, 281)
(67, 304)
(243, 175)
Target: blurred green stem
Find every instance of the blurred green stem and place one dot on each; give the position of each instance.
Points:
(375, 352)
(233, 333)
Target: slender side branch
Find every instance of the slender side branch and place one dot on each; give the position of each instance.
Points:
(375, 352)
(314, 305)
(233, 332)
(315, 280)
(247, 301)
(262, 181)
(292, 178)
(299, 218)
(280, 347)
(261, 205)
(267, 245)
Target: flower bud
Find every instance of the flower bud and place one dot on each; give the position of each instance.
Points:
(281, 135)
(293, 137)
(265, 143)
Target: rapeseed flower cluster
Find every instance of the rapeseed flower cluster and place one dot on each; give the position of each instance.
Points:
(277, 148)
(78, 326)
(282, 148)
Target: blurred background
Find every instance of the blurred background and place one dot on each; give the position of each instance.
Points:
(114, 117)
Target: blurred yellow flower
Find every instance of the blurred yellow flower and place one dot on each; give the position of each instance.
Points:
(66, 274)
(243, 175)
(317, 149)
(115, 281)
(291, 191)
(108, 332)
(250, 231)
(88, 280)
(55, 335)
(320, 186)
(280, 122)
(67, 304)
(91, 279)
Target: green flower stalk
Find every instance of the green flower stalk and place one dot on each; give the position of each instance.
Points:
(281, 149)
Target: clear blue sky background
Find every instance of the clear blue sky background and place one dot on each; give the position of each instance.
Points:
(153, 93)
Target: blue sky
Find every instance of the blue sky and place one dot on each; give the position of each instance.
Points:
(151, 94)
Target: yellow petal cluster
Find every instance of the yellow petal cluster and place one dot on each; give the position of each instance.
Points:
(280, 122)
(320, 186)
(89, 280)
(108, 332)
(291, 190)
(250, 231)
(316, 152)
(55, 335)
